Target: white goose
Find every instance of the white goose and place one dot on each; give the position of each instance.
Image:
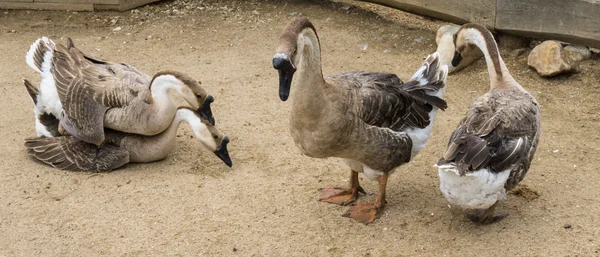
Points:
(87, 94)
(492, 148)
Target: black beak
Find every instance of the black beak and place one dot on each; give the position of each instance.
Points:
(456, 59)
(286, 73)
(222, 153)
(205, 112)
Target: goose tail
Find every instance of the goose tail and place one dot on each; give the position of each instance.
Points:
(36, 56)
(428, 82)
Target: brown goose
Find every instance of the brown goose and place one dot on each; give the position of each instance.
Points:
(493, 146)
(373, 121)
(71, 153)
(87, 94)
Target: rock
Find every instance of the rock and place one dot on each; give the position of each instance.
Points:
(578, 53)
(550, 59)
(445, 42)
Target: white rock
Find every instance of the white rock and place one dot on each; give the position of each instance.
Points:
(578, 52)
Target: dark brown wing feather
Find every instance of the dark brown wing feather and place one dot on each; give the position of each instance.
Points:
(500, 131)
(70, 153)
(389, 103)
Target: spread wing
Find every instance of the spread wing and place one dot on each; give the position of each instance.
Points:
(70, 153)
(496, 136)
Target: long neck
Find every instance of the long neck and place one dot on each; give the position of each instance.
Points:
(499, 74)
(309, 78)
(160, 90)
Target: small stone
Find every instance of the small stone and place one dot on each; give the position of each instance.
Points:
(446, 49)
(567, 226)
(255, 12)
(578, 53)
(117, 29)
(550, 59)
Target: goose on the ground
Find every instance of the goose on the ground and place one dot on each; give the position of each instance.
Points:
(71, 153)
(87, 94)
(492, 148)
(373, 121)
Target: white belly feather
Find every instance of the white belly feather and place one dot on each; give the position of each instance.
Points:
(476, 190)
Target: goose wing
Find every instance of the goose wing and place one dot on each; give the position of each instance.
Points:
(385, 101)
(496, 137)
(86, 91)
(70, 153)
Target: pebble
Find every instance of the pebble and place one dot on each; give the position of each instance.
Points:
(578, 53)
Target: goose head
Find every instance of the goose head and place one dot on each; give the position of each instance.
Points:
(465, 41)
(291, 46)
(190, 89)
(208, 135)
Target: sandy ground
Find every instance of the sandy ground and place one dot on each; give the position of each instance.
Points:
(191, 204)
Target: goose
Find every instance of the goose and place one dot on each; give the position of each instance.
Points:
(72, 153)
(493, 145)
(87, 94)
(444, 38)
(372, 121)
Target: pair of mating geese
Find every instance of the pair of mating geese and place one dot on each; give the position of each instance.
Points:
(373, 121)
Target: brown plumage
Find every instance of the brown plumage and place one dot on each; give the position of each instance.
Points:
(492, 148)
(71, 153)
(369, 119)
(95, 94)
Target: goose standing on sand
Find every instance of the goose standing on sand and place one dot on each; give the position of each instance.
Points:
(493, 146)
(87, 94)
(373, 121)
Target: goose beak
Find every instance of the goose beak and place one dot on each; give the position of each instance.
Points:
(457, 58)
(286, 73)
(222, 153)
(205, 112)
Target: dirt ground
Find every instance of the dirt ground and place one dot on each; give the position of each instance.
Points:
(191, 204)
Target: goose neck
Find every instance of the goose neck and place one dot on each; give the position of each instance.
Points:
(497, 69)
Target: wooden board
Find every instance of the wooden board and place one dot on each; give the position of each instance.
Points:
(575, 21)
(46, 6)
(24, 1)
(124, 5)
(457, 11)
(74, 5)
(79, 1)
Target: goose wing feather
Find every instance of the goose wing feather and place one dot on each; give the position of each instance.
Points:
(495, 135)
(384, 101)
(87, 90)
(71, 153)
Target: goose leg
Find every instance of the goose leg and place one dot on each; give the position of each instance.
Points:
(368, 212)
(341, 196)
(487, 216)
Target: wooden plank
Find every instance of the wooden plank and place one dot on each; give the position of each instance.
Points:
(460, 12)
(124, 5)
(46, 6)
(23, 1)
(574, 21)
(80, 1)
